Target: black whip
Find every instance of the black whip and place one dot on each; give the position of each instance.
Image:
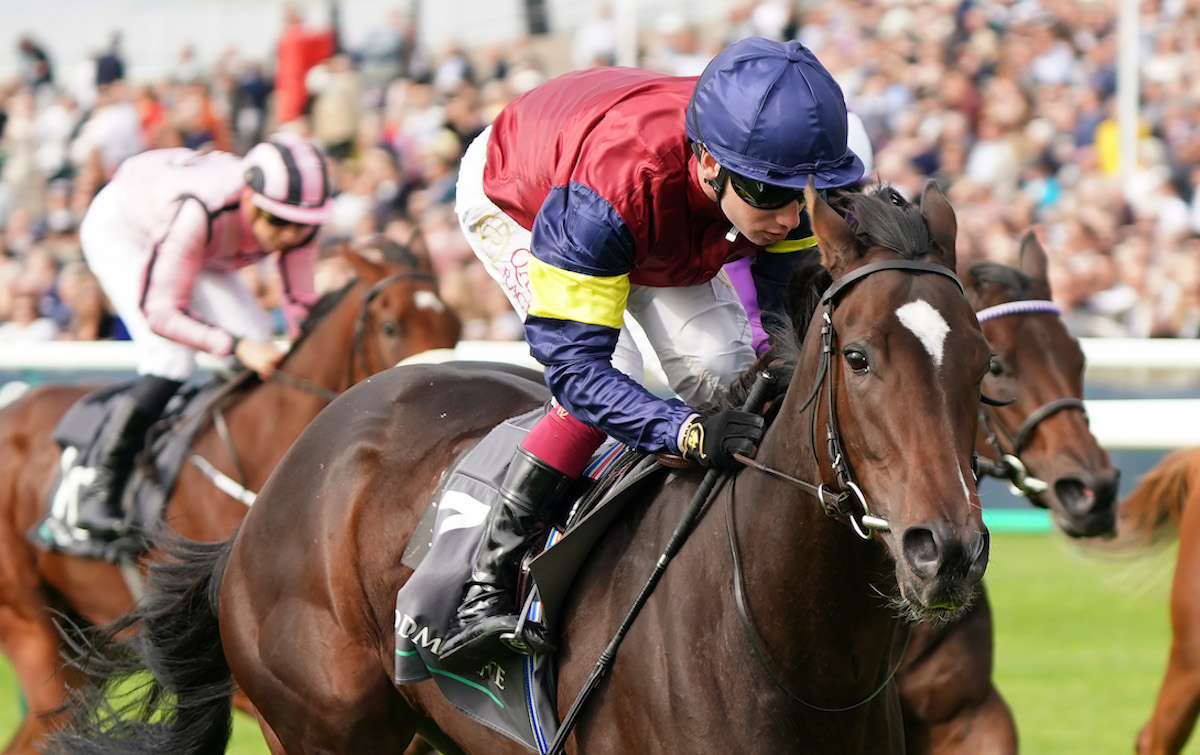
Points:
(754, 402)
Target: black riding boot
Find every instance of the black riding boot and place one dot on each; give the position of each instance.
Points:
(99, 508)
(488, 617)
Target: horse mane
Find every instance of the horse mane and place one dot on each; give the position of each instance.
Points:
(320, 309)
(879, 217)
(1002, 275)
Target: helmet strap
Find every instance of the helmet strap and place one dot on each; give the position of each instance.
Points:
(719, 183)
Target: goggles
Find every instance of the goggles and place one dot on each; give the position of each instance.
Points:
(764, 196)
(279, 222)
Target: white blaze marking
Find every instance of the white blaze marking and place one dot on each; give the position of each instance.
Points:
(928, 325)
(428, 300)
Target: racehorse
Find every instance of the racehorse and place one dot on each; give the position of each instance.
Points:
(1040, 444)
(1166, 506)
(389, 312)
(772, 630)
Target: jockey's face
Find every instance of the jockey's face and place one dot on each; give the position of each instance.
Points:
(272, 233)
(760, 226)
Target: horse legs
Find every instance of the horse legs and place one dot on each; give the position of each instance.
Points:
(32, 645)
(1178, 702)
(950, 704)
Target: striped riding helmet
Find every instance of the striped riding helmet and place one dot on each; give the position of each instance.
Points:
(289, 179)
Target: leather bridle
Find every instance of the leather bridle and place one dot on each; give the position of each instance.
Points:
(847, 501)
(1008, 465)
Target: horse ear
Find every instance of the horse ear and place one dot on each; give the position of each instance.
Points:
(939, 216)
(368, 270)
(1033, 258)
(834, 238)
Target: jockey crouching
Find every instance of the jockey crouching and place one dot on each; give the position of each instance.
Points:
(165, 238)
(589, 203)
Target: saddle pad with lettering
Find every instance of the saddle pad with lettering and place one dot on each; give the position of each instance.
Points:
(149, 485)
(515, 694)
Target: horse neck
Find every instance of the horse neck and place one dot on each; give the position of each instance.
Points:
(815, 588)
(325, 357)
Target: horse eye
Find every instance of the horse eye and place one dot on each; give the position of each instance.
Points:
(388, 327)
(995, 367)
(857, 361)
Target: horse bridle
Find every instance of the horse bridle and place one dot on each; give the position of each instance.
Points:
(237, 488)
(833, 503)
(840, 503)
(360, 349)
(1008, 466)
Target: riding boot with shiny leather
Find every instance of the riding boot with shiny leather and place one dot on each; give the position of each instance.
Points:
(487, 619)
(99, 509)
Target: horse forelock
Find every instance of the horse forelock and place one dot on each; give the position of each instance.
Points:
(885, 218)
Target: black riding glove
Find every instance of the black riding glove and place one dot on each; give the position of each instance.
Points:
(711, 441)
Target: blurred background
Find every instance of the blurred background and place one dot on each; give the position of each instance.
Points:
(1074, 118)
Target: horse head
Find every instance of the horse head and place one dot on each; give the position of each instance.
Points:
(1040, 441)
(895, 392)
(401, 313)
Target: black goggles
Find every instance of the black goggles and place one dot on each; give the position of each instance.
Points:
(764, 196)
(279, 222)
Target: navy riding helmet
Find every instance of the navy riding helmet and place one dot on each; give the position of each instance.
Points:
(770, 112)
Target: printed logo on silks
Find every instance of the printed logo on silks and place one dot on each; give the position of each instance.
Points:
(494, 233)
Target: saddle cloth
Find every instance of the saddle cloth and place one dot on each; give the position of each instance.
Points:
(146, 490)
(514, 695)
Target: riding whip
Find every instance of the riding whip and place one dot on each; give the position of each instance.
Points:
(754, 402)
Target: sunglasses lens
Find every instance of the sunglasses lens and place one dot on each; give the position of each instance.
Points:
(764, 196)
(278, 222)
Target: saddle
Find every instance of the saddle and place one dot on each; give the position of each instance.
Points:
(514, 694)
(146, 490)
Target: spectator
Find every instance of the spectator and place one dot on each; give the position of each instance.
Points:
(298, 51)
(110, 66)
(35, 72)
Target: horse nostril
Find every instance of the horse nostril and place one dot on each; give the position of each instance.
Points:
(922, 551)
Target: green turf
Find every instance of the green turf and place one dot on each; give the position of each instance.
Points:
(1080, 647)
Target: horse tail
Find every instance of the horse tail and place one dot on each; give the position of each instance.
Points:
(185, 706)
(1150, 515)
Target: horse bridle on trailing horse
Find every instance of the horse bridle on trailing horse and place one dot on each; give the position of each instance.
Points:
(1008, 466)
(237, 488)
(360, 349)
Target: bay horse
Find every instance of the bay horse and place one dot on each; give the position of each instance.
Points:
(773, 630)
(1164, 507)
(389, 312)
(1041, 445)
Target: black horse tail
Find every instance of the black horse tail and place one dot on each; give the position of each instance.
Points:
(159, 682)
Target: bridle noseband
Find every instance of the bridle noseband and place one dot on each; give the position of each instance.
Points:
(1009, 465)
(841, 503)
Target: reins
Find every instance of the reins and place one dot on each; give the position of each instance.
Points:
(237, 489)
(754, 403)
(864, 526)
(1008, 465)
(739, 596)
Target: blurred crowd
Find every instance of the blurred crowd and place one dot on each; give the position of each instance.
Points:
(1009, 104)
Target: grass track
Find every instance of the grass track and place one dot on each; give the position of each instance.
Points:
(1080, 647)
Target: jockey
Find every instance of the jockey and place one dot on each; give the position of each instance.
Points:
(165, 238)
(616, 192)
